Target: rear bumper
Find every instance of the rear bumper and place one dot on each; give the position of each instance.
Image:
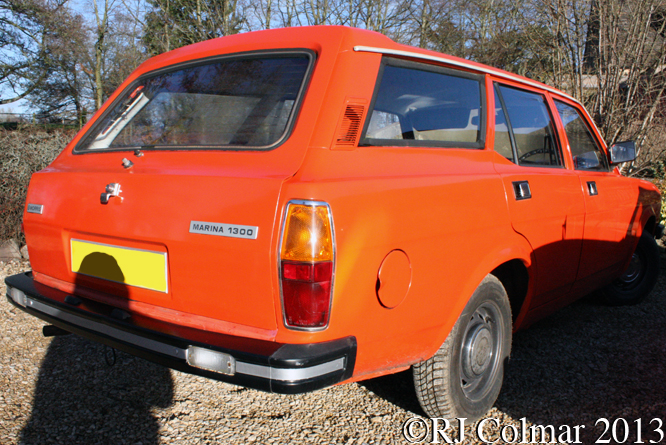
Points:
(264, 365)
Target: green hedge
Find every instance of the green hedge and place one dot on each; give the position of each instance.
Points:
(22, 152)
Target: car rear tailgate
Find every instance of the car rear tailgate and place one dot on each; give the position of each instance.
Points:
(171, 205)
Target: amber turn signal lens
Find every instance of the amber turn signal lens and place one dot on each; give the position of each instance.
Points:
(307, 235)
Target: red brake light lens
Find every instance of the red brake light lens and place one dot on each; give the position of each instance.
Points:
(306, 290)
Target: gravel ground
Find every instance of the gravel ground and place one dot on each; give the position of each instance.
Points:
(582, 364)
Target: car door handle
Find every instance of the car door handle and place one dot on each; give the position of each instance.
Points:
(592, 188)
(522, 190)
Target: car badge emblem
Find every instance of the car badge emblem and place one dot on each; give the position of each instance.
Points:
(35, 208)
(112, 190)
(221, 229)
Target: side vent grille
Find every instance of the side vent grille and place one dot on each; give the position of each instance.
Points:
(350, 127)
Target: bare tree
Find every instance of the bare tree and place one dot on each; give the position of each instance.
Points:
(263, 12)
(170, 24)
(102, 16)
(26, 27)
(123, 51)
(610, 54)
(316, 12)
(62, 95)
(620, 73)
(287, 13)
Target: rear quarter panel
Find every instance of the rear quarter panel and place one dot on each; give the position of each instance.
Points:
(445, 208)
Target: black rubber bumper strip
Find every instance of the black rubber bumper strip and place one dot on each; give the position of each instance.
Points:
(289, 369)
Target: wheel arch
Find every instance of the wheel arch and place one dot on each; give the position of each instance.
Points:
(650, 225)
(501, 261)
(515, 278)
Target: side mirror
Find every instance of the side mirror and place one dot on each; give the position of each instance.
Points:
(622, 152)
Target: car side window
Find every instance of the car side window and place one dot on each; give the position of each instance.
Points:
(586, 153)
(422, 105)
(503, 144)
(531, 127)
(384, 125)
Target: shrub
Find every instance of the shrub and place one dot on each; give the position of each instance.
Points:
(661, 183)
(23, 152)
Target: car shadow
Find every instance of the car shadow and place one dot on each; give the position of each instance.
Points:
(589, 362)
(397, 389)
(117, 411)
(97, 394)
(585, 362)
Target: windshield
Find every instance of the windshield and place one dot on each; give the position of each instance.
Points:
(241, 103)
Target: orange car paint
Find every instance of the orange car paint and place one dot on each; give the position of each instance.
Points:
(449, 210)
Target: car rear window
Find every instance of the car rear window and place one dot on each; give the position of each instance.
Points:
(238, 103)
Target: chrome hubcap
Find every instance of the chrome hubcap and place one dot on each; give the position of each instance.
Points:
(633, 276)
(481, 351)
(633, 271)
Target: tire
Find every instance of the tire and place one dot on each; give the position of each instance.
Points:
(452, 385)
(639, 278)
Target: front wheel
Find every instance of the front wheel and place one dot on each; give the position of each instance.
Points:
(640, 277)
(464, 377)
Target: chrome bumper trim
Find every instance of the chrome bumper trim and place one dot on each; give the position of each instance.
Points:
(110, 331)
(250, 369)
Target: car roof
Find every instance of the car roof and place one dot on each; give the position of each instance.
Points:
(326, 38)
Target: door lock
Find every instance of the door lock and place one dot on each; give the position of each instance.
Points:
(112, 190)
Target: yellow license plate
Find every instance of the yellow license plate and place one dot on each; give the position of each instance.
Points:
(134, 267)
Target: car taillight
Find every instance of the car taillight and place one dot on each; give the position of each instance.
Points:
(306, 265)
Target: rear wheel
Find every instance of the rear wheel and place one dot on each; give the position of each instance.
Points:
(464, 377)
(640, 277)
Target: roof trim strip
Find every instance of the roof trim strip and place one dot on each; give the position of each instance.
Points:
(497, 73)
(481, 69)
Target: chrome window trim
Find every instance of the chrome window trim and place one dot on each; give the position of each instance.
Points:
(494, 72)
(497, 73)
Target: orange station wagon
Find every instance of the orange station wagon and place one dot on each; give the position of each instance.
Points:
(295, 208)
